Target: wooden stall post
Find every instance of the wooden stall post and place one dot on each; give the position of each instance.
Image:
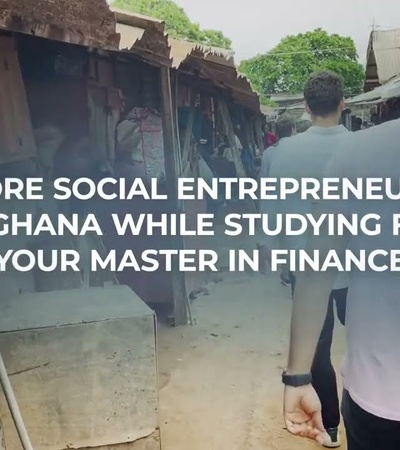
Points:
(2, 441)
(173, 169)
(188, 135)
(230, 134)
(257, 122)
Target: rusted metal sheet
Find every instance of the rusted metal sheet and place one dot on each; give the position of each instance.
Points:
(138, 20)
(85, 22)
(129, 36)
(383, 57)
(216, 65)
(180, 50)
(225, 78)
(143, 36)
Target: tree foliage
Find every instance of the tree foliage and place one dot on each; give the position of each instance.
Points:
(287, 66)
(177, 23)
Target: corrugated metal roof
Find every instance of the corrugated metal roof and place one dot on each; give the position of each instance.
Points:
(94, 23)
(144, 36)
(285, 97)
(216, 65)
(383, 57)
(366, 97)
(225, 77)
(133, 16)
(390, 89)
(129, 35)
(180, 50)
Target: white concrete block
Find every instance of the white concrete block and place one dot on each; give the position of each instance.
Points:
(83, 366)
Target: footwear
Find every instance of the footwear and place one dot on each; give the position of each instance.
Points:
(331, 438)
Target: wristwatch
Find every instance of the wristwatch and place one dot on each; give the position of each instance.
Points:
(296, 380)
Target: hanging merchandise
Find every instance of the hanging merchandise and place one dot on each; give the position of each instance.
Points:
(151, 146)
(129, 139)
(48, 139)
(129, 161)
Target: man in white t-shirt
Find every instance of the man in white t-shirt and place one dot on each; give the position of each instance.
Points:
(306, 156)
(371, 400)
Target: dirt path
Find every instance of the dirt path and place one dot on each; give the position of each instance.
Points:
(220, 379)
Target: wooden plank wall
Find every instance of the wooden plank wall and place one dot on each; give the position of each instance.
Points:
(16, 136)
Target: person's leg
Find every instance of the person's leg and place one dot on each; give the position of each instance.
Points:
(365, 431)
(263, 252)
(341, 301)
(358, 434)
(324, 376)
(292, 280)
(285, 276)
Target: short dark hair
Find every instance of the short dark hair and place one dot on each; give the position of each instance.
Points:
(284, 127)
(323, 93)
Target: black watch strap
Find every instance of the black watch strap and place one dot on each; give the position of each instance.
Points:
(296, 380)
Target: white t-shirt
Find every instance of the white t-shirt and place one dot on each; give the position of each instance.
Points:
(371, 367)
(305, 155)
(267, 156)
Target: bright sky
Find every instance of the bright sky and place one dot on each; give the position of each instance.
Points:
(256, 26)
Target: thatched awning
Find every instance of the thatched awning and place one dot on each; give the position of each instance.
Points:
(85, 22)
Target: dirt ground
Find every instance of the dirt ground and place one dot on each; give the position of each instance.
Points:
(220, 378)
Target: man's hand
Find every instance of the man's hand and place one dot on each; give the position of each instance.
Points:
(302, 412)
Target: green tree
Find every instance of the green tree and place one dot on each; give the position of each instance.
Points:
(177, 23)
(287, 66)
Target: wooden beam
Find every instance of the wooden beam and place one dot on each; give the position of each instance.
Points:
(244, 128)
(257, 128)
(201, 84)
(250, 130)
(173, 169)
(230, 134)
(175, 80)
(189, 130)
(137, 20)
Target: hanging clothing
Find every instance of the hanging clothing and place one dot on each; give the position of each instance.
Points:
(270, 139)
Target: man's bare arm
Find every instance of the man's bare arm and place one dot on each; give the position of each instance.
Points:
(310, 302)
